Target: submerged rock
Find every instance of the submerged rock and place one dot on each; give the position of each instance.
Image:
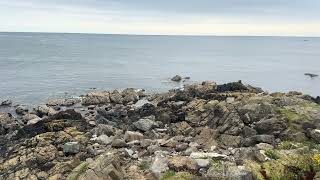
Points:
(6, 103)
(176, 78)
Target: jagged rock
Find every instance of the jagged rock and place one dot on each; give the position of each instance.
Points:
(96, 98)
(63, 102)
(207, 138)
(22, 110)
(116, 97)
(182, 128)
(105, 167)
(71, 148)
(145, 124)
(231, 123)
(176, 78)
(255, 111)
(182, 163)
(132, 136)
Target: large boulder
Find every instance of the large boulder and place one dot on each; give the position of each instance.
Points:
(96, 98)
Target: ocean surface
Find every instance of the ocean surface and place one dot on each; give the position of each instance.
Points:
(35, 67)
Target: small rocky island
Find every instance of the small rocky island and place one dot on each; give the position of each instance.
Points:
(203, 131)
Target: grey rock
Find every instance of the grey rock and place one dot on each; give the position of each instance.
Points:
(104, 139)
(22, 110)
(203, 163)
(63, 102)
(130, 95)
(105, 167)
(229, 140)
(132, 136)
(116, 97)
(145, 124)
(176, 78)
(6, 103)
(269, 139)
(96, 98)
(315, 135)
(119, 143)
(44, 111)
(159, 164)
(104, 129)
(203, 155)
(145, 142)
(271, 126)
(71, 148)
(248, 132)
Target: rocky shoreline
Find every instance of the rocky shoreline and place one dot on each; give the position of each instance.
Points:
(203, 131)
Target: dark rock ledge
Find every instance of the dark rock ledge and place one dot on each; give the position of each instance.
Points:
(205, 131)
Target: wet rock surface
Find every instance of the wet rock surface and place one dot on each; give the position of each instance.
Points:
(203, 131)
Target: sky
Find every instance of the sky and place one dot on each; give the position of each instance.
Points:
(163, 17)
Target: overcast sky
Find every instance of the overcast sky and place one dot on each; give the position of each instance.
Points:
(182, 17)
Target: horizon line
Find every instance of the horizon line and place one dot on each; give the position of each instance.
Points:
(138, 34)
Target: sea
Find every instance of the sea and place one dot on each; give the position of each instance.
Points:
(36, 67)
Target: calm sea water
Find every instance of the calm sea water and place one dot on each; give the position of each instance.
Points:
(35, 67)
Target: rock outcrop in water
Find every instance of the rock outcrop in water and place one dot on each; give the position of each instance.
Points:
(206, 131)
